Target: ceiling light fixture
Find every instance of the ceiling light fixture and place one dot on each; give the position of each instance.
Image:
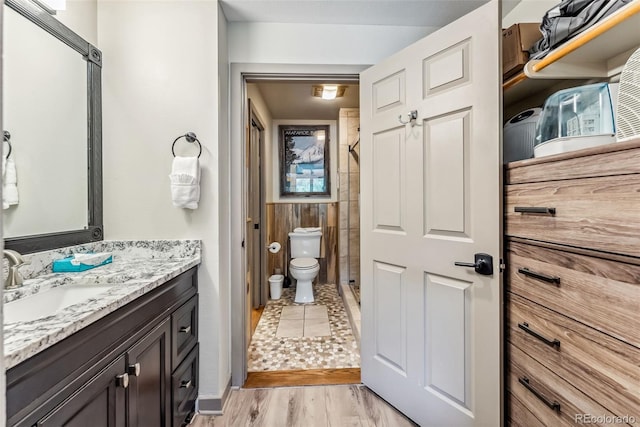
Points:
(328, 91)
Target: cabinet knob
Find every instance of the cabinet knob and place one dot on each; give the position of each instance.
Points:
(134, 370)
(185, 384)
(185, 329)
(122, 380)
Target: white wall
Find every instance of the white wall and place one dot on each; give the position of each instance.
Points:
(273, 159)
(265, 117)
(82, 17)
(161, 78)
(528, 11)
(316, 43)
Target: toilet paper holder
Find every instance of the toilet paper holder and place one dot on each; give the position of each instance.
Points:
(274, 247)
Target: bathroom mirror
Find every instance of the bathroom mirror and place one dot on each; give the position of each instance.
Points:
(52, 113)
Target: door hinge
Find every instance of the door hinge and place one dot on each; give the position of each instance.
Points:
(503, 266)
(243, 243)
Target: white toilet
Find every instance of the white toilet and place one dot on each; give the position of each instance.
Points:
(304, 267)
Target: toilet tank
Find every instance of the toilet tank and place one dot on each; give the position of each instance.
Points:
(305, 244)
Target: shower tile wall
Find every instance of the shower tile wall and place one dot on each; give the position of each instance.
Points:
(349, 236)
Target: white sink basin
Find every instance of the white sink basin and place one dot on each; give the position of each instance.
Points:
(51, 301)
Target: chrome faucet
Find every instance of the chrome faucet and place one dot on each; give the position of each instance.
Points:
(14, 278)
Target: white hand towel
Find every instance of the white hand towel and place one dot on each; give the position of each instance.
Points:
(185, 182)
(9, 183)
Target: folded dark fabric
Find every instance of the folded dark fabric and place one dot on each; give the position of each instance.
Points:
(568, 19)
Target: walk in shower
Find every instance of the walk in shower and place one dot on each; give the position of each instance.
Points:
(350, 200)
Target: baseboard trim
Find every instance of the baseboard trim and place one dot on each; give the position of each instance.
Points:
(213, 405)
(302, 377)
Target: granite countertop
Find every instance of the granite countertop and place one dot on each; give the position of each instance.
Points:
(137, 267)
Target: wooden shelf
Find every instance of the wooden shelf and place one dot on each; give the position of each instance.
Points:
(520, 87)
(599, 52)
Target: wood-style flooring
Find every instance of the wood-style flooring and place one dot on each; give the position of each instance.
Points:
(302, 377)
(316, 406)
(255, 317)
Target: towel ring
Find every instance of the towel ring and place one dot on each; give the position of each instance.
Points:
(189, 136)
(7, 139)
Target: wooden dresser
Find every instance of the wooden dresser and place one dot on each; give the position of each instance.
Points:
(573, 288)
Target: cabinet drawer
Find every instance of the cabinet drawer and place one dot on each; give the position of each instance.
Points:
(596, 213)
(600, 293)
(605, 368)
(544, 389)
(518, 415)
(184, 388)
(184, 330)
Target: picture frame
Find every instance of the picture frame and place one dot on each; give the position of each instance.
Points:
(304, 160)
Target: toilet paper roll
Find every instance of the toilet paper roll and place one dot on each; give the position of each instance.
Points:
(274, 247)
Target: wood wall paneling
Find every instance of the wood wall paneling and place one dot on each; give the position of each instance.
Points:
(282, 218)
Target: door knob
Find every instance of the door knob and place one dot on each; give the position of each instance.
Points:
(483, 264)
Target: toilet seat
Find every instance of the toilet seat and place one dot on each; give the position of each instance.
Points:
(304, 263)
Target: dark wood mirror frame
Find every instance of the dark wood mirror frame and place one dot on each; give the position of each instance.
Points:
(94, 228)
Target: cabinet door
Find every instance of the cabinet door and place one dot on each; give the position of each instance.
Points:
(98, 403)
(148, 366)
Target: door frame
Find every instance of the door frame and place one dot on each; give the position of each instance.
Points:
(239, 74)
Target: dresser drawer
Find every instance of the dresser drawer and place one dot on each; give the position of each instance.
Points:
(605, 368)
(184, 387)
(596, 213)
(600, 293)
(548, 397)
(184, 330)
(518, 415)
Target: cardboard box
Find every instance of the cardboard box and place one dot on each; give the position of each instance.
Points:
(516, 41)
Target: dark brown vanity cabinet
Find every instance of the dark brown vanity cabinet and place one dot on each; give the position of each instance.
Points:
(136, 367)
(148, 368)
(99, 403)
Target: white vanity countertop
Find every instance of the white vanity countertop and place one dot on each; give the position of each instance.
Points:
(137, 267)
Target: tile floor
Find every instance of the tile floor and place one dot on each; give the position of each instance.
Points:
(303, 321)
(304, 336)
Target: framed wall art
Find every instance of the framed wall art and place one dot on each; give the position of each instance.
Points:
(304, 160)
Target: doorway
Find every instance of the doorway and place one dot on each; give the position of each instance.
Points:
(324, 343)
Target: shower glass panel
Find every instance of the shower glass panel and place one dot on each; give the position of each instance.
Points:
(353, 184)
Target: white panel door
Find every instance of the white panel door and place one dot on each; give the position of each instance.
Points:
(430, 196)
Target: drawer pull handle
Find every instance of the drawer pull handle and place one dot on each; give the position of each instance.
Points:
(134, 370)
(122, 381)
(185, 329)
(540, 276)
(185, 384)
(551, 343)
(551, 404)
(535, 210)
